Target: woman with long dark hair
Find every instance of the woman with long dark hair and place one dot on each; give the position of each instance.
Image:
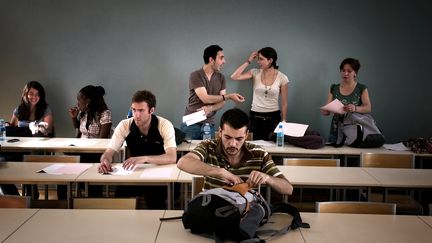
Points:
(270, 92)
(33, 108)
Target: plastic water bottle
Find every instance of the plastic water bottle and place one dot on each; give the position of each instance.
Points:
(2, 130)
(206, 131)
(280, 136)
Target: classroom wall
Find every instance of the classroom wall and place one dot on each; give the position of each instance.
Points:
(130, 44)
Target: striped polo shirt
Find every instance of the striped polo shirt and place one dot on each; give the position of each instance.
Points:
(254, 158)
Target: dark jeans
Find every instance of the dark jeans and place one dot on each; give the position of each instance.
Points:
(263, 124)
(155, 196)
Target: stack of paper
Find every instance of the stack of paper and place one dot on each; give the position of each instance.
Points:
(194, 117)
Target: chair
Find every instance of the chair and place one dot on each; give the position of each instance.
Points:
(309, 162)
(197, 185)
(405, 203)
(50, 158)
(356, 207)
(12, 201)
(387, 160)
(105, 203)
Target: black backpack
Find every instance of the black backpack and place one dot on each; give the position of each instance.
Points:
(213, 212)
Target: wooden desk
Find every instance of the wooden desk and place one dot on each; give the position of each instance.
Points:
(97, 145)
(173, 231)
(287, 150)
(27, 173)
(319, 176)
(87, 225)
(402, 178)
(65, 145)
(353, 228)
(144, 174)
(427, 220)
(12, 218)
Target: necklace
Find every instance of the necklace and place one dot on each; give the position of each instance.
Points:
(264, 80)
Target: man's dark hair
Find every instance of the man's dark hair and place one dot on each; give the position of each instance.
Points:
(144, 96)
(235, 118)
(211, 51)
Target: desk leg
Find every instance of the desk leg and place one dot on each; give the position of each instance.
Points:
(170, 197)
(69, 194)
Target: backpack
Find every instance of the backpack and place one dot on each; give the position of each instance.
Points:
(229, 213)
(359, 130)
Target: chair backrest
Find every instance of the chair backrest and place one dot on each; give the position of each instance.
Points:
(12, 201)
(105, 203)
(248, 138)
(387, 160)
(356, 207)
(197, 185)
(52, 158)
(311, 162)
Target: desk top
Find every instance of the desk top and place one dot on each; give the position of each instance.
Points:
(97, 145)
(173, 231)
(143, 173)
(87, 225)
(406, 178)
(12, 218)
(27, 172)
(328, 176)
(427, 219)
(353, 228)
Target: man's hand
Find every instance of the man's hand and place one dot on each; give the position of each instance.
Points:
(235, 97)
(130, 163)
(256, 178)
(230, 178)
(105, 166)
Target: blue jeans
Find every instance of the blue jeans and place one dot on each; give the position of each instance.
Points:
(195, 131)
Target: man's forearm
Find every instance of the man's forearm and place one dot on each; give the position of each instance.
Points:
(281, 185)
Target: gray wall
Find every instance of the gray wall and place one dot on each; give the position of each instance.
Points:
(129, 45)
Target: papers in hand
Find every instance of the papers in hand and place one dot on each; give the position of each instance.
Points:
(293, 129)
(194, 117)
(335, 107)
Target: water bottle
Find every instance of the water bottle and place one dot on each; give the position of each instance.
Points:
(2, 130)
(280, 136)
(206, 131)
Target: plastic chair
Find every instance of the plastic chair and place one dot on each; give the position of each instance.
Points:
(12, 201)
(105, 203)
(356, 207)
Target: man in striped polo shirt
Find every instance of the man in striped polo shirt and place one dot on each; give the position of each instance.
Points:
(230, 160)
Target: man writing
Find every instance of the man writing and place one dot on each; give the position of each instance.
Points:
(207, 91)
(230, 159)
(150, 139)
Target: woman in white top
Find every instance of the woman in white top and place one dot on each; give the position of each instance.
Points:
(269, 86)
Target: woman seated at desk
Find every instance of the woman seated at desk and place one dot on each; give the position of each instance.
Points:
(91, 118)
(34, 110)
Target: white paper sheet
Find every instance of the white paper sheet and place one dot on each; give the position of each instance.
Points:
(335, 107)
(262, 143)
(194, 117)
(157, 172)
(119, 170)
(293, 129)
(396, 147)
(65, 169)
